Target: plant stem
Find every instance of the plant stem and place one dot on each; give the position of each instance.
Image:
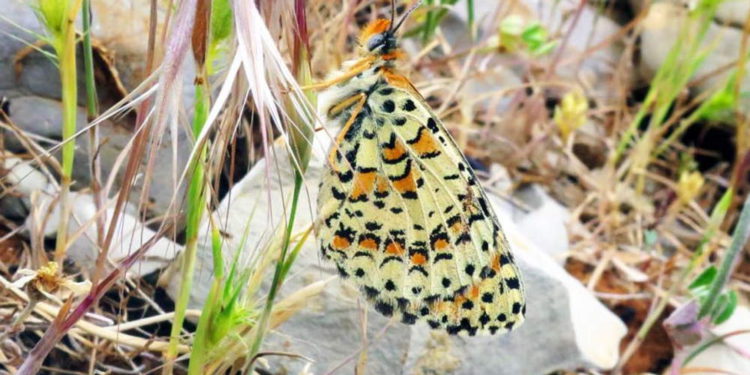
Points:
(262, 326)
(92, 110)
(92, 104)
(195, 205)
(739, 239)
(65, 47)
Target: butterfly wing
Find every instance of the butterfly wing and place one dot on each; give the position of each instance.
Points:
(405, 218)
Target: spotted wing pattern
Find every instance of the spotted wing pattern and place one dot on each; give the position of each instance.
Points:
(403, 216)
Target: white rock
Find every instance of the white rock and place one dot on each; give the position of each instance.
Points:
(566, 326)
(545, 213)
(24, 178)
(20, 180)
(128, 237)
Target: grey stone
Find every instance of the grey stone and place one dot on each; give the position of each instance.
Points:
(129, 235)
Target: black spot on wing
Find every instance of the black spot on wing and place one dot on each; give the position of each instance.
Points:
(408, 105)
(391, 143)
(370, 292)
(516, 308)
(345, 176)
(384, 308)
(342, 271)
(373, 225)
(432, 125)
(388, 106)
(513, 283)
(337, 194)
(408, 318)
(390, 285)
(443, 256)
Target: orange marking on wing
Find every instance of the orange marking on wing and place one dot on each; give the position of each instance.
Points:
(394, 248)
(418, 259)
(458, 227)
(363, 184)
(474, 292)
(340, 243)
(495, 263)
(395, 153)
(425, 143)
(408, 183)
(400, 81)
(382, 184)
(377, 26)
(441, 244)
(369, 244)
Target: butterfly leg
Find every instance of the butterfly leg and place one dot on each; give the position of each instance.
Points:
(358, 102)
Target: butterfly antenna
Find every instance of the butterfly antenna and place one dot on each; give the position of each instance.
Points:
(406, 15)
(393, 12)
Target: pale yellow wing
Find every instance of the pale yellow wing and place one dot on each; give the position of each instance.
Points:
(406, 220)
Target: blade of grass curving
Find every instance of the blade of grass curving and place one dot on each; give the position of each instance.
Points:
(59, 19)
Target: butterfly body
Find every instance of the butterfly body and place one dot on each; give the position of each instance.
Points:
(402, 213)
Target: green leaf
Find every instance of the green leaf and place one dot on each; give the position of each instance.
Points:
(221, 20)
(720, 106)
(725, 307)
(544, 48)
(53, 15)
(534, 35)
(704, 279)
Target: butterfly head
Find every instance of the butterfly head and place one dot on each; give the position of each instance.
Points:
(379, 37)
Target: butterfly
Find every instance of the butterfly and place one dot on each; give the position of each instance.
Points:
(401, 212)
